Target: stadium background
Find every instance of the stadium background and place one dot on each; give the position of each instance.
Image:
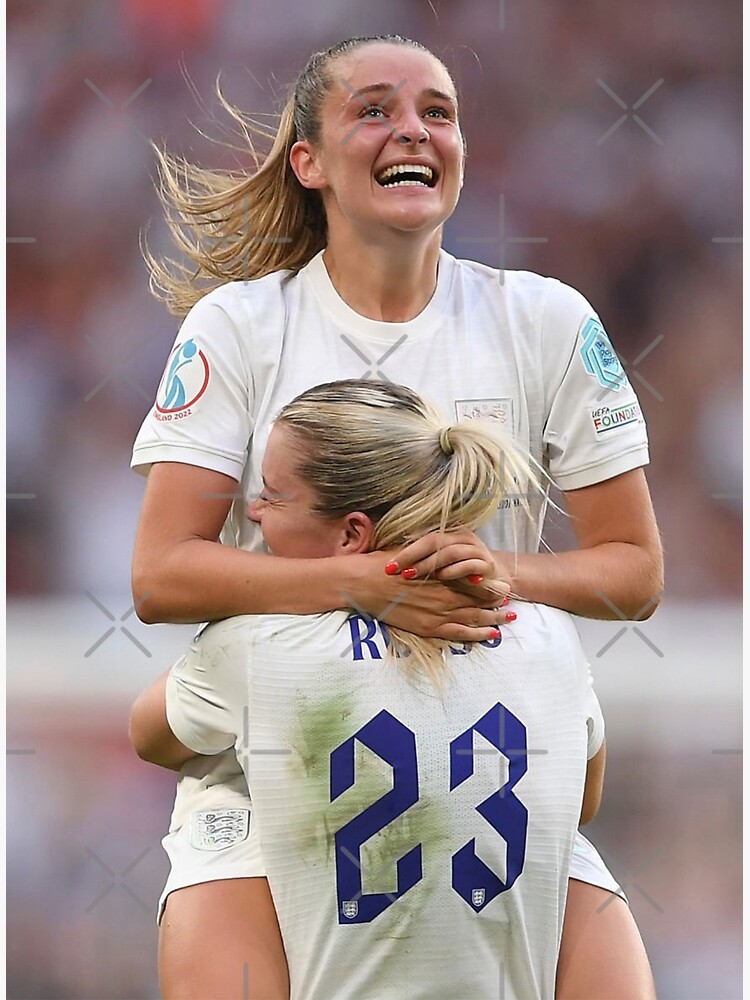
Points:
(643, 216)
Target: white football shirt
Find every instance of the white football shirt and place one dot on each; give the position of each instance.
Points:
(511, 346)
(416, 841)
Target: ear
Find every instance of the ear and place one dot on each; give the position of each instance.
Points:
(356, 534)
(304, 161)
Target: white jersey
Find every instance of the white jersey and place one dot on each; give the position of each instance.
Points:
(515, 347)
(416, 840)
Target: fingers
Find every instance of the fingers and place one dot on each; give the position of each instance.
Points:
(433, 543)
(477, 558)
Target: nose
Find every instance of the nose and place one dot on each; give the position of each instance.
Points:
(412, 130)
(254, 510)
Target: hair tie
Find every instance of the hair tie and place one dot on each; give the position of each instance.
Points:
(445, 443)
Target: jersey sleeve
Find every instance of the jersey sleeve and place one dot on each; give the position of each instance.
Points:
(202, 414)
(593, 712)
(593, 428)
(207, 694)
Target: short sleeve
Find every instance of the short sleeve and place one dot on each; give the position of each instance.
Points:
(202, 414)
(593, 428)
(593, 713)
(207, 694)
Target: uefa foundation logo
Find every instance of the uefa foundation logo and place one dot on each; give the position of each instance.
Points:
(184, 381)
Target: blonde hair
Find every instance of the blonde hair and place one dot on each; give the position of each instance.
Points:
(379, 448)
(233, 226)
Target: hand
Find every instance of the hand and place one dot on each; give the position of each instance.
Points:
(456, 556)
(425, 607)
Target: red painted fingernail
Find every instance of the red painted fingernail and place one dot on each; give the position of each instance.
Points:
(475, 578)
(505, 600)
(510, 616)
(409, 574)
(495, 633)
(391, 568)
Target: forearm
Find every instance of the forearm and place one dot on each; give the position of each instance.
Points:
(202, 581)
(596, 582)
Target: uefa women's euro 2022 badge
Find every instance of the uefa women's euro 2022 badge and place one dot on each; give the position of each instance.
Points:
(184, 381)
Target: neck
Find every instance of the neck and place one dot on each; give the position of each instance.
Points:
(392, 281)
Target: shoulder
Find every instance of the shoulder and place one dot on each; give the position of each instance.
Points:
(233, 296)
(524, 294)
(292, 632)
(541, 624)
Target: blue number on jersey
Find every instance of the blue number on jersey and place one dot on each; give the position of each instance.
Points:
(473, 880)
(396, 745)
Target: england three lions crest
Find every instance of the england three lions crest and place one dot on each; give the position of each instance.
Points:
(500, 410)
(217, 829)
(477, 897)
(350, 908)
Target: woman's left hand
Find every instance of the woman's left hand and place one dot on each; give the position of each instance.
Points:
(451, 557)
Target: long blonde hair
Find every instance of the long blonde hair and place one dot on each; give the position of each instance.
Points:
(234, 226)
(381, 449)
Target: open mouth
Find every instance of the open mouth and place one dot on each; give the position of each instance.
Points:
(407, 175)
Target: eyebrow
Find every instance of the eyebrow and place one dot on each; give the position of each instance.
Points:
(381, 88)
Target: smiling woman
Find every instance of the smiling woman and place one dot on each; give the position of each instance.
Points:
(328, 253)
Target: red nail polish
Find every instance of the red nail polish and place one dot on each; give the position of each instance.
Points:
(505, 600)
(475, 578)
(495, 633)
(391, 568)
(510, 616)
(409, 574)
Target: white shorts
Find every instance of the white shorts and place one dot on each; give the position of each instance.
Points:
(212, 835)
(586, 865)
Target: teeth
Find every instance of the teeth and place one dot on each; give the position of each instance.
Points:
(405, 168)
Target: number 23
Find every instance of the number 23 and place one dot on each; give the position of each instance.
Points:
(393, 742)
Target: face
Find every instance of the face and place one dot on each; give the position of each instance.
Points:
(390, 106)
(285, 509)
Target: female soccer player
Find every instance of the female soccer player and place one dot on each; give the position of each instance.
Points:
(340, 231)
(366, 750)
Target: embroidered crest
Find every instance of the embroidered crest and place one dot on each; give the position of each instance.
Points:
(217, 829)
(350, 908)
(599, 358)
(486, 409)
(477, 897)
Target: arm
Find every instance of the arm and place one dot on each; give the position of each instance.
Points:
(592, 792)
(617, 573)
(149, 732)
(619, 561)
(182, 574)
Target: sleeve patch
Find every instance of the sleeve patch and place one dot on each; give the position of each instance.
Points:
(609, 418)
(599, 357)
(184, 381)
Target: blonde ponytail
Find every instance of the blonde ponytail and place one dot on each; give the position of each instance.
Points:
(379, 448)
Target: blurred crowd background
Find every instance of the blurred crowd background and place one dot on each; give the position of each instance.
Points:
(609, 131)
